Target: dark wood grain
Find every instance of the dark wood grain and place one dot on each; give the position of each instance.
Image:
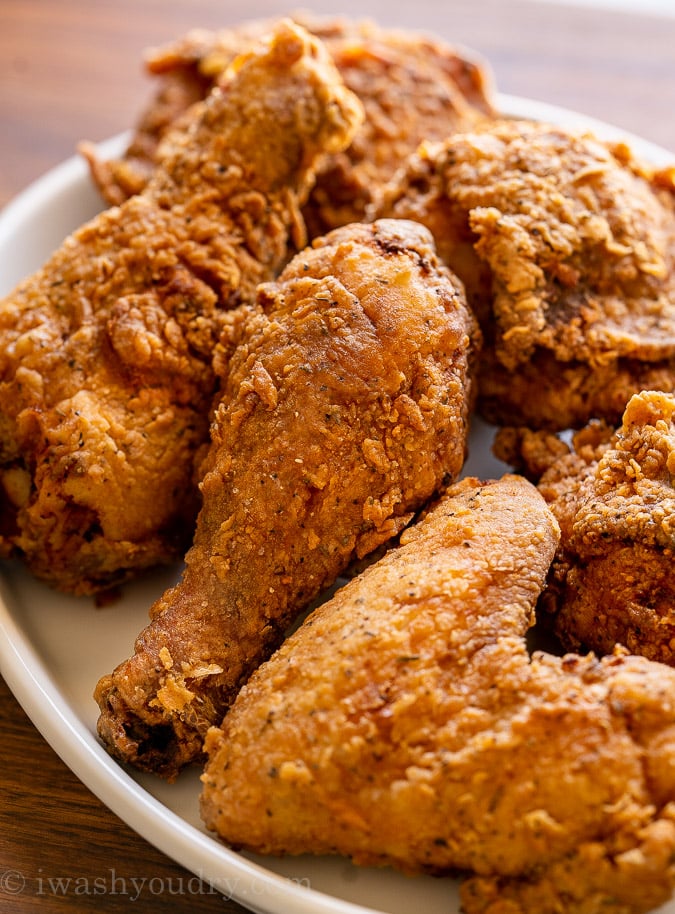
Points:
(62, 850)
(71, 70)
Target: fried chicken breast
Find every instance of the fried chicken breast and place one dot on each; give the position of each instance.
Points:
(344, 408)
(613, 493)
(566, 246)
(412, 87)
(106, 376)
(404, 723)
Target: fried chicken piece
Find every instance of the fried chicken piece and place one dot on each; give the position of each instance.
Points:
(186, 72)
(106, 376)
(405, 724)
(413, 87)
(566, 246)
(613, 494)
(344, 408)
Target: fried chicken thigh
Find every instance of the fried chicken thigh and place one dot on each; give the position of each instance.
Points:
(412, 87)
(613, 494)
(566, 246)
(404, 723)
(106, 376)
(343, 409)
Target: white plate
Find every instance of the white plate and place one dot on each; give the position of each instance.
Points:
(54, 648)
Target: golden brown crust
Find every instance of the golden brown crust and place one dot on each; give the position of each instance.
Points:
(613, 581)
(105, 364)
(566, 246)
(344, 407)
(405, 723)
(613, 494)
(413, 87)
(549, 394)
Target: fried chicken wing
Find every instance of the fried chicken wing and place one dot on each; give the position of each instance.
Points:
(343, 409)
(613, 493)
(413, 87)
(404, 723)
(106, 376)
(566, 246)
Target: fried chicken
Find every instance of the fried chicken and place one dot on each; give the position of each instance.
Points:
(613, 493)
(413, 87)
(186, 71)
(106, 376)
(404, 723)
(343, 409)
(566, 246)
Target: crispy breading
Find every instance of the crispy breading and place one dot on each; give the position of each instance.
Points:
(566, 246)
(344, 408)
(405, 723)
(613, 494)
(185, 73)
(413, 87)
(106, 375)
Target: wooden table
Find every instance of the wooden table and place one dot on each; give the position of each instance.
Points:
(71, 69)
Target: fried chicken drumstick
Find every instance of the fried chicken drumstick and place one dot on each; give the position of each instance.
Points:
(613, 493)
(343, 409)
(404, 723)
(566, 246)
(105, 354)
(412, 88)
